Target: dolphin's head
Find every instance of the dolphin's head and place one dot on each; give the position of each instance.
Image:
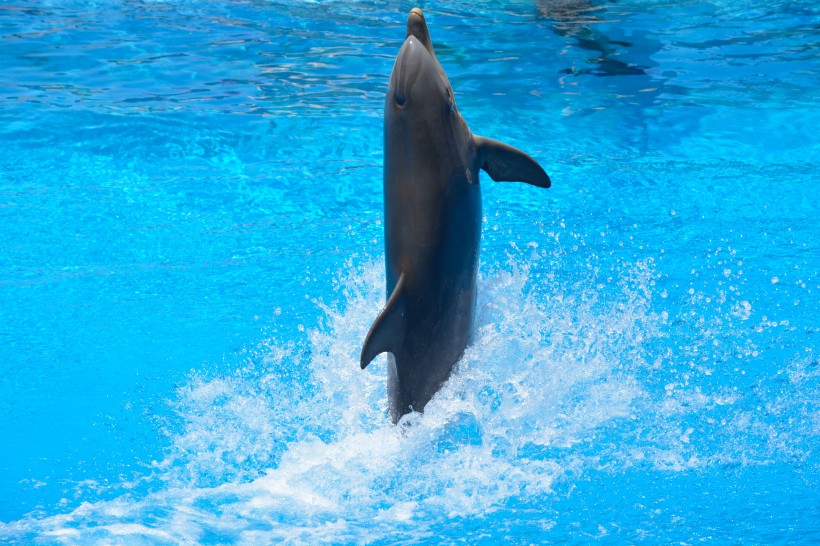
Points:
(418, 83)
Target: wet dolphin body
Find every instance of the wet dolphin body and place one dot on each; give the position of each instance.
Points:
(432, 209)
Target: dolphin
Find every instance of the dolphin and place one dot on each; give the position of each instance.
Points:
(432, 228)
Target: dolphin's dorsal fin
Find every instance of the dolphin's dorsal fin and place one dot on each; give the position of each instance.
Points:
(507, 164)
(387, 332)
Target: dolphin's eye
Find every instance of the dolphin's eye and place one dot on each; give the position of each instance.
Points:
(451, 102)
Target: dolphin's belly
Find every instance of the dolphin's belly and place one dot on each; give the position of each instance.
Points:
(433, 239)
(431, 235)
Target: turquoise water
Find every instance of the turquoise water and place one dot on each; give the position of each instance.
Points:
(191, 255)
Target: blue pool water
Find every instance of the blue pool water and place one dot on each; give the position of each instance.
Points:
(191, 254)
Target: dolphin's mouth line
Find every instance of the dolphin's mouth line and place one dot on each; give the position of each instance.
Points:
(407, 77)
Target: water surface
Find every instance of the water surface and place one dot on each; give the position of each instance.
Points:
(191, 254)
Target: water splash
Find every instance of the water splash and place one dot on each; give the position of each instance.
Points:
(296, 444)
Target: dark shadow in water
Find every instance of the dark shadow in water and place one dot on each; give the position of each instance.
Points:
(619, 82)
(574, 19)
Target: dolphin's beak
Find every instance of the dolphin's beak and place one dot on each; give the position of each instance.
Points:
(417, 27)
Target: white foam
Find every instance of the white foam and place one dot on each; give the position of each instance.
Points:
(296, 446)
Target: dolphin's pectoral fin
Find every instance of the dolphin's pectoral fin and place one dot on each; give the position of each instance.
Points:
(507, 164)
(387, 332)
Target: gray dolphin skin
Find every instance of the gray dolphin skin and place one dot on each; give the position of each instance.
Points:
(432, 210)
